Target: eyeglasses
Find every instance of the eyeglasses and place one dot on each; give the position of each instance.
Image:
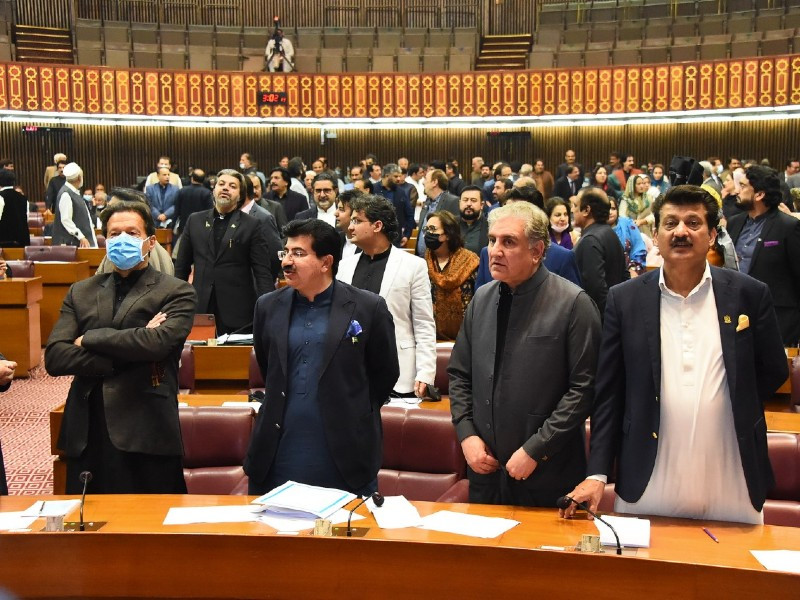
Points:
(327, 191)
(295, 254)
(431, 229)
(357, 221)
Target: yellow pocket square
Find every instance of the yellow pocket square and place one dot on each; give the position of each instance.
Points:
(744, 323)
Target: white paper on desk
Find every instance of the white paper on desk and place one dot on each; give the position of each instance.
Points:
(235, 338)
(256, 406)
(52, 508)
(395, 513)
(779, 560)
(304, 501)
(632, 532)
(472, 525)
(185, 515)
(404, 402)
(292, 524)
(15, 520)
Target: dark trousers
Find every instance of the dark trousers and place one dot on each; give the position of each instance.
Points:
(117, 472)
(499, 488)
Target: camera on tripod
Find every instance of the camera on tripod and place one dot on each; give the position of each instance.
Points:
(277, 35)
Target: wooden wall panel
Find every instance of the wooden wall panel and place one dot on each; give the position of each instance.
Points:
(115, 155)
(707, 85)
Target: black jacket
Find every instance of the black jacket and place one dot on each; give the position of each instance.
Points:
(14, 222)
(601, 262)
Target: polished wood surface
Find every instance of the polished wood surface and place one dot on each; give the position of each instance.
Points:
(20, 317)
(94, 256)
(57, 279)
(134, 555)
(222, 363)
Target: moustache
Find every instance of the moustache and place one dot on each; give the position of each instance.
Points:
(681, 243)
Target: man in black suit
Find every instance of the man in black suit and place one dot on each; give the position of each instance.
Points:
(271, 206)
(120, 335)
(327, 354)
(689, 355)
(193, 198)
(230, 255)
(324, 192)
(563, 168)
(599, 254)
(767, 245)
(56, 183)
(292, 202)
(569, 185)
(7, 368)
(14, 231)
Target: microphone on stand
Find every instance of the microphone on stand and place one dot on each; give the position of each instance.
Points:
(85, 477)
(376, 498)
(565, 501)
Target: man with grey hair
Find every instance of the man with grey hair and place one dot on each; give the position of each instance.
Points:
(230, 254)
(389, 188)
(527, 328)
(72, 225)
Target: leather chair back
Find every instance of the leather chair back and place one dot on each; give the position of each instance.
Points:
(186, 371)
(422, 458)
(256, 380)
(37, 240)
(21, 268)
(51, 253)
(215, 441)
(441, 380)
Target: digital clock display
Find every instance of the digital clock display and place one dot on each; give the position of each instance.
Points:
(271, 98)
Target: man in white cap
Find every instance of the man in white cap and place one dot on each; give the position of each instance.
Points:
(72, 225)
(50, 171)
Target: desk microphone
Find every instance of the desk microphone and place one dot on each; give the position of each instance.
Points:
(376, 498)
(85, 477)
(565, 501)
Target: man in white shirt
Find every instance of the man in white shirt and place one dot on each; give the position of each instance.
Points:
(73, 225)
(279, 53)
(164, 162)
(690, 353)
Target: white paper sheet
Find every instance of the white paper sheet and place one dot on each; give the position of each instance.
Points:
(14, 520)
(304, 501)
(395, 513)
(290, 524)
(632, 532)
(471, 525)
(51, 508)
(404, 402)
(185, 515)
(779, 560)
(256, 406)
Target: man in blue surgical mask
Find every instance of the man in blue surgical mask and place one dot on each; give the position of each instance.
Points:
(120, 335)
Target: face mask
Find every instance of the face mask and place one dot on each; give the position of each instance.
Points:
(241, 166)
(125, 251)
(719, 169)
(559, 228)
(432, 241)
(87, 198)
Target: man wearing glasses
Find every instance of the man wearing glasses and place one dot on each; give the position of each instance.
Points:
(325, 191)
(327, 354)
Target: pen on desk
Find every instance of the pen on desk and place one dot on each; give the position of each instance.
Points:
(41, 508)
(711, 535)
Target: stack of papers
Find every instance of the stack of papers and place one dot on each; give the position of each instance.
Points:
(211, 514)
(235, 339)
(298, 500)
(51, 508)
(632, 532)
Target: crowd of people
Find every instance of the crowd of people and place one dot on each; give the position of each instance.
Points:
(539, 279)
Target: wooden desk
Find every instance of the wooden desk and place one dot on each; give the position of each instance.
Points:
(786, 388)
(57, 278)
(164, 237)
(94, 256)
(20, 318)
(134, 555)
(222, 363)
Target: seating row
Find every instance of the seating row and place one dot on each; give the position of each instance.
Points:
(599, 11)
(653, 51)
(406, 60)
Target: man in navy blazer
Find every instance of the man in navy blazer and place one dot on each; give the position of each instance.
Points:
(767, 245)
(689, 355)
(328, 357)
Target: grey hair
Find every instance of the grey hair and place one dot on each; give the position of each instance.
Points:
(238, 176)
(534, 218)
(390, 169)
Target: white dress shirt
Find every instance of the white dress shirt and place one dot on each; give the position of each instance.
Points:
(65, 212)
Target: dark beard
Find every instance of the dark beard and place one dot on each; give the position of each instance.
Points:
(469, 217)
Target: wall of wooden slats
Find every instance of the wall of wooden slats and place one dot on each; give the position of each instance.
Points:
(115, 155)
